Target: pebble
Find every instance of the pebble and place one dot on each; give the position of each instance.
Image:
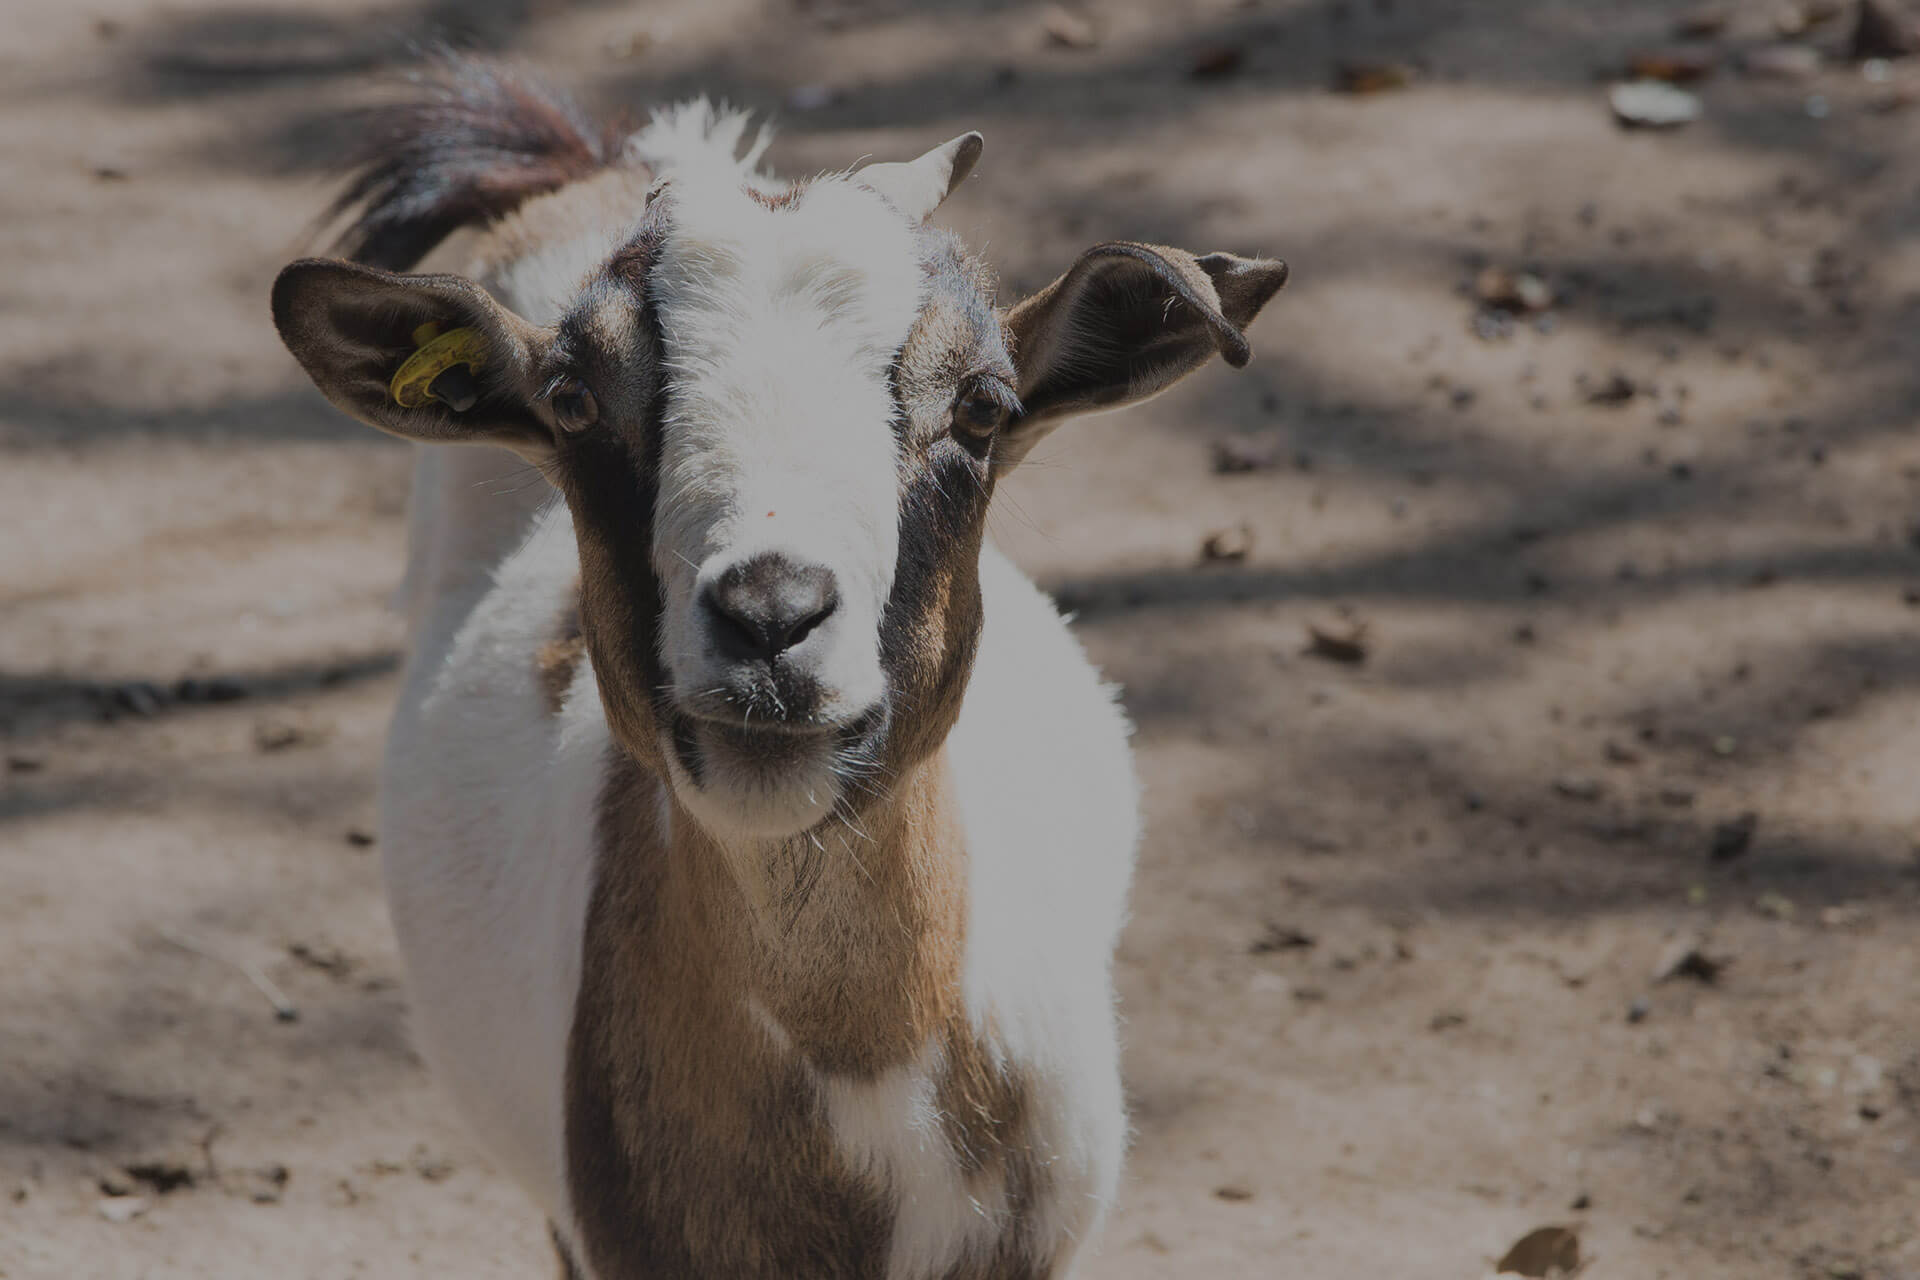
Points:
(1652, 104)
(1579, 787)
(1733, 839)
(122, 1209)
(1781, 62)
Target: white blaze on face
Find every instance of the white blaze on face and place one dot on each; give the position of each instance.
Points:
(778, 329)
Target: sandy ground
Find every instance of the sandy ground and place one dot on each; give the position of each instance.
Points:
(1390, 985)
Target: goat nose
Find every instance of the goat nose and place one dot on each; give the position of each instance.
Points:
(760, 608)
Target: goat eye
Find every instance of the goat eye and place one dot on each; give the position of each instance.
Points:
(978, 413)
(573, 404)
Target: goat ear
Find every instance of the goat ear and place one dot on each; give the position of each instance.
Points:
(353, 327)
(918, 187)
(1126, 322)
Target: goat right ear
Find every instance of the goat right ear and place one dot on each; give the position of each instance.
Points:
(1126, 322)
(353, 327)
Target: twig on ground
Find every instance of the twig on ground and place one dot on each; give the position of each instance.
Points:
(283, 1008)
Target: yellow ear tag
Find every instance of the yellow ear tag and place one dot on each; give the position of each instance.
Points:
(436, 353)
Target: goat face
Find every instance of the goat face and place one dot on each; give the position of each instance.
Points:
(778, 420)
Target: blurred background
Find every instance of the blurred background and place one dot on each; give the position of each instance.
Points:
(1523, 647)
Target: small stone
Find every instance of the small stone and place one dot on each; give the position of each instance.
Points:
(1841, 917)
(137, 698)
(812, 97)
(1280, 937)
(431, 1167)
(1228, 546)
(1233, 1192)
(1652, 104)
(1238, 454)
(359, 838)
(1613, 391)
(1732, 839)
(122, 1209)
(277, 735)
(1639, 1009)
(212, 689)
(1579, 787)
(264, 1185)
(1512, 291)
(1068, 29)
(162, 1176)
(1781, 62)
(1346, 644)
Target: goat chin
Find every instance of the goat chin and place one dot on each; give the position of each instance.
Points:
(737, 799)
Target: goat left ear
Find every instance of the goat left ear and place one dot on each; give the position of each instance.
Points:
(428, 357)
(1126, 322)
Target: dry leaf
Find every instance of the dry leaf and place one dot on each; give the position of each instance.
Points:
(1688, 958)
(1372, 77)
(1709, 20)
(1880, 33)
(1680, 64)
(1543, 1252)
(1216, 62)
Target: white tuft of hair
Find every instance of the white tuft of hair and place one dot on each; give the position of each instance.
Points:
(697, 135)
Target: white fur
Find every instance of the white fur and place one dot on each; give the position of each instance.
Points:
(1049, 804)
(778, 331)
(489, 800)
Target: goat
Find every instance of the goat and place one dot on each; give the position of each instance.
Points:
(756, 836)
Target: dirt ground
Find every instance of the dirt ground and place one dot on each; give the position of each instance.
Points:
(1391, 986)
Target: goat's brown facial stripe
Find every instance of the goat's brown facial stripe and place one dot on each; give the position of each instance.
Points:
(608, 472)
(932, 621)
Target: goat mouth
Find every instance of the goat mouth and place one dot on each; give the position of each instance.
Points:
(773, 746)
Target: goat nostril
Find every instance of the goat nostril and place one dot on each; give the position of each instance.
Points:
(736, 635)
(805, 626)
(763, 607)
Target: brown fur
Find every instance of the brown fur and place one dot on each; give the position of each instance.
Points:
(777, 200)
(558, 660)
(697, 1141)
(673, 1085)
(476, 143)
